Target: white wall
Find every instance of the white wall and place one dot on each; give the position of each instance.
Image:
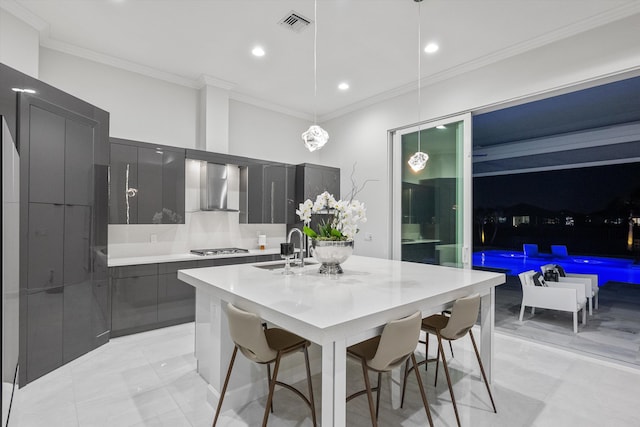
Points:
(19, 44)
(264, 134)
(362, 135)
(140, 107)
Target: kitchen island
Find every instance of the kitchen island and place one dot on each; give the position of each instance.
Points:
(331, 311)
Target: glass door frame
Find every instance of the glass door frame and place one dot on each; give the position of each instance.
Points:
(467, 183)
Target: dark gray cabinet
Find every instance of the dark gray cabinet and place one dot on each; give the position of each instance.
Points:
(101, 313)
(44, 334)
(77, 336)
(312, 180)
(134, 302)
(62, 163)
(78, 165)
(46, 155)
(123, 184)
(267, 194)
(45, 241)
(176, 299)
(146, 183)
(150, 296)
(150, 197)
(77, 238)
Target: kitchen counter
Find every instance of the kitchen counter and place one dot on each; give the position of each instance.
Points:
(156, 259)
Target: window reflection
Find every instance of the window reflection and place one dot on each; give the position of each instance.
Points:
(431, 221)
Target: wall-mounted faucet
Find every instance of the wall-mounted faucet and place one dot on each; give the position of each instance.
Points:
(300, 255)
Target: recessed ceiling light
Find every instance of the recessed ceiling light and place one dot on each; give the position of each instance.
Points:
(258, 51)
(431, 48)
(441, 127)
(343, 86)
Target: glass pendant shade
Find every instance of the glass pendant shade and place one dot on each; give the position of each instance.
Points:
(418, 161)
(315, 138)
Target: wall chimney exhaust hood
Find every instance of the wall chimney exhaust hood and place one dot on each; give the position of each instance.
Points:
(213, 187)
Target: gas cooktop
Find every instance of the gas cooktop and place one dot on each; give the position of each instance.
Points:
(218, 251)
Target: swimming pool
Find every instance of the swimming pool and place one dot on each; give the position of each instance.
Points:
(607, 269)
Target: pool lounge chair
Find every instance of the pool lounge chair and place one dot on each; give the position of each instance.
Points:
(554, 296)
(590, 282)
(559, 251)
(530, 249)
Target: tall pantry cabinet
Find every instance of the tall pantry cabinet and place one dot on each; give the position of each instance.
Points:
(64, 295)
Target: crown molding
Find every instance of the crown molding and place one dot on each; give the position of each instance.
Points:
(248, 99)
(206, 80)
(117, 62)
(25, 15)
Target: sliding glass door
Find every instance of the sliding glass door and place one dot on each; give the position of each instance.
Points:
(432, 207)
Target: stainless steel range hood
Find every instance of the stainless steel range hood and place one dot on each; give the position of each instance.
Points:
(213, 187)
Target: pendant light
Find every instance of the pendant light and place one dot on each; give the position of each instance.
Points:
(418, 161)
(315, 137)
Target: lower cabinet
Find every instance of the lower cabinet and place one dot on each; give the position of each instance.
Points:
(44, 332)
(176, 299)
(150, 296)
(134, 298)
(77, 337)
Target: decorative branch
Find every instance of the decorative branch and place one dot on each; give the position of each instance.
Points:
(354, 186)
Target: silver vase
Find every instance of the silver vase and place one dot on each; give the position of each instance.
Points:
(331, 253)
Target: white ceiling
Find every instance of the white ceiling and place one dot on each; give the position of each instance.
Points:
(371, 44)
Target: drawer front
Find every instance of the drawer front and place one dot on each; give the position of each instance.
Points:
(173, 267)
(269, 257)
(140, 270)
(226, 261)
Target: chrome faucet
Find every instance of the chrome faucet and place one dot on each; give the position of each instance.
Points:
(301, 253)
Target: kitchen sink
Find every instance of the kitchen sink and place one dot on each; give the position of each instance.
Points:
(279, 265)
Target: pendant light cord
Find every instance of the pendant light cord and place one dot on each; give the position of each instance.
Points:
(315, 63)
(419, 73)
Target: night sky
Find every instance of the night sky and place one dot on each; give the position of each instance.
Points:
(583, 190)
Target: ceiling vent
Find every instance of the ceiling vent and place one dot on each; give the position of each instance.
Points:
(295, 22)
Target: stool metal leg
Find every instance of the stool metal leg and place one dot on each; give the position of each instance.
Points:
(484, 376)
(224, 387)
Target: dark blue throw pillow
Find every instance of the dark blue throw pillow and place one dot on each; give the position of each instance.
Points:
(561, 271)
(538, 280)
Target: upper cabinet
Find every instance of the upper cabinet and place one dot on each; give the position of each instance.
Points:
(147, 183)
(312, 180)
(267, 194)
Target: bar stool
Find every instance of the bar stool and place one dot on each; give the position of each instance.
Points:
(463, 316)
(384, 353)
(264, 346)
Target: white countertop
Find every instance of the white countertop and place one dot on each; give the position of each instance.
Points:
(368, 286)
(153, 259)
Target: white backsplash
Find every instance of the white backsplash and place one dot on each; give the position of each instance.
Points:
(201, 230)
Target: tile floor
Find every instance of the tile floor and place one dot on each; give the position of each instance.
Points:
(150, 379)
